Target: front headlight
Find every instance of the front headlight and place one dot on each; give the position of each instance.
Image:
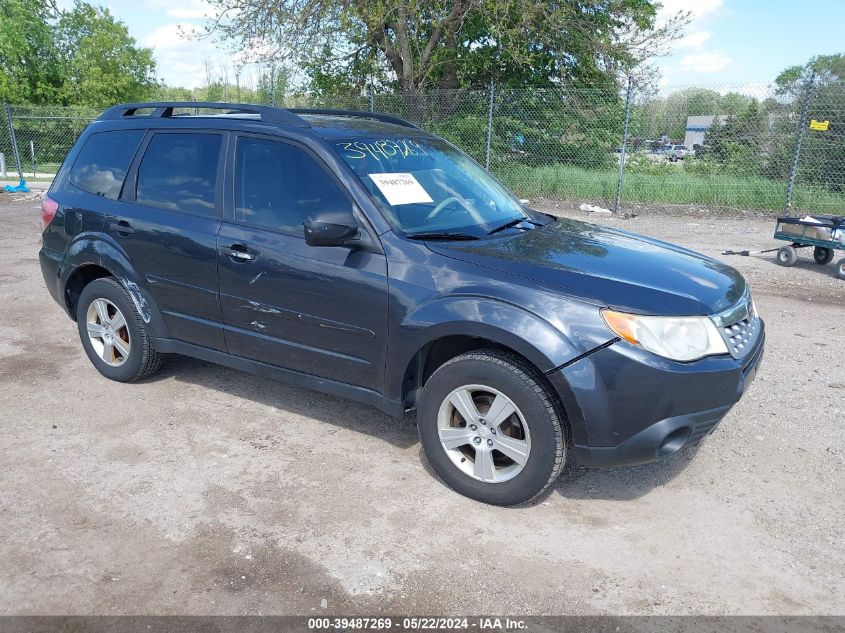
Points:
(678, 338)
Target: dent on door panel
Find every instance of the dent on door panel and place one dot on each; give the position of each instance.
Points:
(319, 310)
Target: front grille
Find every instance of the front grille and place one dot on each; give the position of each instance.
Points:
(740, 336)
(739, 327)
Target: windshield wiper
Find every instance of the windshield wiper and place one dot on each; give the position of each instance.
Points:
(441, 235)
(509, 224)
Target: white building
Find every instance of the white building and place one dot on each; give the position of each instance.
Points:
(697, 127)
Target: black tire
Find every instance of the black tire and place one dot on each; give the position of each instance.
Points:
(822, 255)
(142, 360)
(840, 268)
(524, 386)
(786, 256)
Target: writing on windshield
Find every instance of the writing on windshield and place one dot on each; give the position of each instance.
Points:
(382, 148)
(425, 184)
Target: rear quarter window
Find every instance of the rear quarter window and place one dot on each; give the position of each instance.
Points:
(102, 163)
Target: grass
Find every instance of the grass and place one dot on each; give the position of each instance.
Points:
(672, 188)
(44, 172)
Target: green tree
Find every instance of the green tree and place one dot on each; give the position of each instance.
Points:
(737, 141)
(173, 93)
(450, 43)
(102, 63)
(350, 76)
(823, 151)
(830, 69)
(80, 57)
(669, 115)
(271, 85)
(29, 60)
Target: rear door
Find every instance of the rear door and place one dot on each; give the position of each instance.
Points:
(318, 310)
(167, 221)
(88, 185)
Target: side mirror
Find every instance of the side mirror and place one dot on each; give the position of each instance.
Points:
(330, 228)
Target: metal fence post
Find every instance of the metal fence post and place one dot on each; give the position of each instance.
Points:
(489, 125)
(799, 133)
(13, 139)
(372, 96)
(621, 178)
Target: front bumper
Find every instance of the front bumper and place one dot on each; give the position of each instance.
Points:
(627, 406)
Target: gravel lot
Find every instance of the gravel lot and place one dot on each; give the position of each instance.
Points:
(209, 491)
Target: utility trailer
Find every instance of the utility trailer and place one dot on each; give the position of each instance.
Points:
(826, 234)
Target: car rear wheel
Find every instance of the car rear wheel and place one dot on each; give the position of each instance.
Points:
(491, 429)
(113, 334)
(822, 255)
(787, 256)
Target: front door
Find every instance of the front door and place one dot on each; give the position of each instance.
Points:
(317, 310)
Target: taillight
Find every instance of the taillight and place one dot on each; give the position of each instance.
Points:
(48, 211)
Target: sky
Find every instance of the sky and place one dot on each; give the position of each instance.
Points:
(729, 43)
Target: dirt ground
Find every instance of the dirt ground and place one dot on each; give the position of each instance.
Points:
(208, 491)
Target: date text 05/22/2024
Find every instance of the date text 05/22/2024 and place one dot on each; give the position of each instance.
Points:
(417, 623)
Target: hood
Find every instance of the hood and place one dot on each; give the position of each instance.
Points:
(622, 270)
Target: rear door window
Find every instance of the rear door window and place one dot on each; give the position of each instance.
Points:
(102, 163)
(179, 172)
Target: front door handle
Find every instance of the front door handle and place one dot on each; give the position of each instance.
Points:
(238, 252)
(122, 228)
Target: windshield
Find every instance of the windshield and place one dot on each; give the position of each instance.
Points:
(426, 186)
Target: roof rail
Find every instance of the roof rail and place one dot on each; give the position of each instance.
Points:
(164, 109)
(268, 114)
(363, 114)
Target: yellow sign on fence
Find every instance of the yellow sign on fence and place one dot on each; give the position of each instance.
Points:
(821, 126)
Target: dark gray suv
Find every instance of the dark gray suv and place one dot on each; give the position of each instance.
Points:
(353, 253)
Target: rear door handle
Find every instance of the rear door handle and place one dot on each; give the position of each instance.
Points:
(238, 252)
(122, 228)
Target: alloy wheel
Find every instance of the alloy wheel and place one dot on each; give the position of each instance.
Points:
(108, 332)
(484, 433)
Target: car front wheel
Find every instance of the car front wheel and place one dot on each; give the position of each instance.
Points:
(491, 429)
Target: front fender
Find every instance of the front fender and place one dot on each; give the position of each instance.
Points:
(507, 324)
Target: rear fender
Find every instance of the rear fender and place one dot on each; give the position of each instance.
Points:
(93, 249)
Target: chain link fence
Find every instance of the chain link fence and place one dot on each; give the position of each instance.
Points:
(44, 136)
(750, 146)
